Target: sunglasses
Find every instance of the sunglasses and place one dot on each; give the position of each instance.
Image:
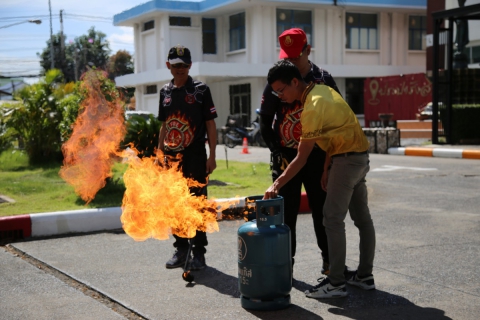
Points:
(279, 92)
(180, 65)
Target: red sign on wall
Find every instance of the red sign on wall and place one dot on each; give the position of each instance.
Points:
(400, 95)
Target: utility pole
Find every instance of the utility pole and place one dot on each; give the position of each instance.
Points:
(75, 63)
(52, 54)
(62, 41)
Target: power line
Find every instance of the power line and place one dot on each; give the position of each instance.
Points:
(21, 49)
(83, 17)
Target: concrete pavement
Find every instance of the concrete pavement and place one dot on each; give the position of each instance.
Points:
(426, 266)
(88, 220)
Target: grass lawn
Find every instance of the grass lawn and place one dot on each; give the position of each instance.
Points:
(40, 189)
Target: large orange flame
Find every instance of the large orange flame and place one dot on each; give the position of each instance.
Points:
(92, 147)
(158, 203)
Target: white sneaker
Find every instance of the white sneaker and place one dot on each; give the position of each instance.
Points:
(326, 290)
(366, 283)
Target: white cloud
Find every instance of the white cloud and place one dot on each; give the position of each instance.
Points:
(122, 40)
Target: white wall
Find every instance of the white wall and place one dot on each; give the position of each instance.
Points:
(328, 52)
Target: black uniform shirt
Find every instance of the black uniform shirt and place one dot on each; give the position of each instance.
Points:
(184, 111)
(287, 125)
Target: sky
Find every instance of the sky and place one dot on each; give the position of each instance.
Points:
(20, 43)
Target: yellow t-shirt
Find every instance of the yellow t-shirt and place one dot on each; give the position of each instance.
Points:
(329, 120)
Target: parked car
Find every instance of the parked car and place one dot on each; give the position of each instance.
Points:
(144, 114)
(426, 112)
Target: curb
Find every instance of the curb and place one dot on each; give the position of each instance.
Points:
(86, 220)
(435, 152)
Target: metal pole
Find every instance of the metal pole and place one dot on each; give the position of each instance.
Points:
(52, 63)
(75, 62)
(226, 155)
(436, 86)
(449, 80)
(36, 21)
(62, 41)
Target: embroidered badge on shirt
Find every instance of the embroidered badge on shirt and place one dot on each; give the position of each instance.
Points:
(179, 133)
(291, 128)
(190, 98)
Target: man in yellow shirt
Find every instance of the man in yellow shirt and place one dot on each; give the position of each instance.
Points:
(328, 121)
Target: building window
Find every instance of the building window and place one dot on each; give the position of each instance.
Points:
(151, 89)
(354, 94)
(237, 31)
(474, 54)
(417, 32)
(148, 25)
(287, 19)
(362, 31)
(240, 102)
(180, 21)
(209, 43)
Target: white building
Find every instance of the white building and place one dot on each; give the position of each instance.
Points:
(234, 44)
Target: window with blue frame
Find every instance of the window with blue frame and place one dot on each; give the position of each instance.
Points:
(237, 31)
(209, 35)
(287, 19)
(362, 31)
(417, 32)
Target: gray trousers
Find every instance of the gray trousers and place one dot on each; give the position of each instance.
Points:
(347, 191)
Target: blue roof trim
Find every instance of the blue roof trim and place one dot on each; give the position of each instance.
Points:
(170, 5)
(387, 3)
(421, 4)
(200, 6)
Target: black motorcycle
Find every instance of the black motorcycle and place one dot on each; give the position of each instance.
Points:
(233, 132)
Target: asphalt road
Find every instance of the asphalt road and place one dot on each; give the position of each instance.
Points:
(427, 219)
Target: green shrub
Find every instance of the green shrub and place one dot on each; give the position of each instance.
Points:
(465, 122)
(143, 134)
(7, 135)
(37, 118)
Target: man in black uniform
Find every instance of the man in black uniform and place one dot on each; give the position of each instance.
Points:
(187, 113)
(281, 129)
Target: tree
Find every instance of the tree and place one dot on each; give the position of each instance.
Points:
(90, 50)
(36, 120)
(44, 113)
(119, 64)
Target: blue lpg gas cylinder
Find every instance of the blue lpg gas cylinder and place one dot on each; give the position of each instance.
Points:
(265, 258)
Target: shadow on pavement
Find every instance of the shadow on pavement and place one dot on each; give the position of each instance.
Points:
(217, 280)
(377, 304)
(228, 285)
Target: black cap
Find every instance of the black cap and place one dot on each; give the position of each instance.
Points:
(179, 54)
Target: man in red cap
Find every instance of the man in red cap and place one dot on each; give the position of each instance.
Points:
(281, 129)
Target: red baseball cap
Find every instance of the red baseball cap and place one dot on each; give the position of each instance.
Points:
(292, 42)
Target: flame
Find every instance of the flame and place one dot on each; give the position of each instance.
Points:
(93, 145)
(158, 203)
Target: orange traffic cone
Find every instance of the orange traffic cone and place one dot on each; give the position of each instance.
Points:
(245, 146)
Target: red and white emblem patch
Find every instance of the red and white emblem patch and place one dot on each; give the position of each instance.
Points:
(189, 98)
